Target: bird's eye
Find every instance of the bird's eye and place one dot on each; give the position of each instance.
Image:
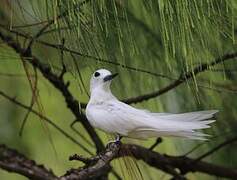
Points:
(97, 74)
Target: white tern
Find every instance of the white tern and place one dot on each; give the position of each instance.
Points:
(106, 112)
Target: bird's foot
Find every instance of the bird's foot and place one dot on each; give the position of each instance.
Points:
(112, 144)
(117, 141)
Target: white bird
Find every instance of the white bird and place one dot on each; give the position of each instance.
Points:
(106, 112)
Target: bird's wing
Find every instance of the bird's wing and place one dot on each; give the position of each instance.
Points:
(127, 118)
(114, 116)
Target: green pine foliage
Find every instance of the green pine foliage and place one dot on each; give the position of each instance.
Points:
(149, 42)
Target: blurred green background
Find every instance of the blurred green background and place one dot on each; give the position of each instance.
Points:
(157, 36)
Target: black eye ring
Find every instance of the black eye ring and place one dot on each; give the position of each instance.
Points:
(96, 74)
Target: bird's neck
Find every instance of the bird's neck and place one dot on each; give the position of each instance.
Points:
(100, 95)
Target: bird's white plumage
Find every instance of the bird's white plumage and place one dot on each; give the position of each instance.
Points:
(106, 112)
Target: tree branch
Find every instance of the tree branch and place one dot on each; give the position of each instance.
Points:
(74, 52)
(12, 161)
(201, 68)
(225, 143)
(183, 77)
(98, 165)
(95, 166)
(184, 164)
(59, 84)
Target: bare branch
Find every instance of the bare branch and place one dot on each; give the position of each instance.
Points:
(59, 84)
(184, 164)
(183, 77)
(12, 161)
(225, 143)
(166, 163)
(98, 165)
(158, 141)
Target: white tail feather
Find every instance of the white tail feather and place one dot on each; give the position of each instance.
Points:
(178, 125)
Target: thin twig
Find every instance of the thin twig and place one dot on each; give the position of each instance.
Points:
(64, 70)
(83, 159)
(141, 98)
(46, 119)
(59, 84)
(158, 141)
(80, 134)
(205, 142)
(100, 164)
(14, 75)
(29, 25)
(224, 144)
(90, 57)
(50, 22)
(33, 98)
(183, 78)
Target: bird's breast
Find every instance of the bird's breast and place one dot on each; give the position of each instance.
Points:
(100, 115)
(89, 114)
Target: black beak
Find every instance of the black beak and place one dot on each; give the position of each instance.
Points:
(110, 77)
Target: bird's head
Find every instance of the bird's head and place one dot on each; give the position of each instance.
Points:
(101, 79)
